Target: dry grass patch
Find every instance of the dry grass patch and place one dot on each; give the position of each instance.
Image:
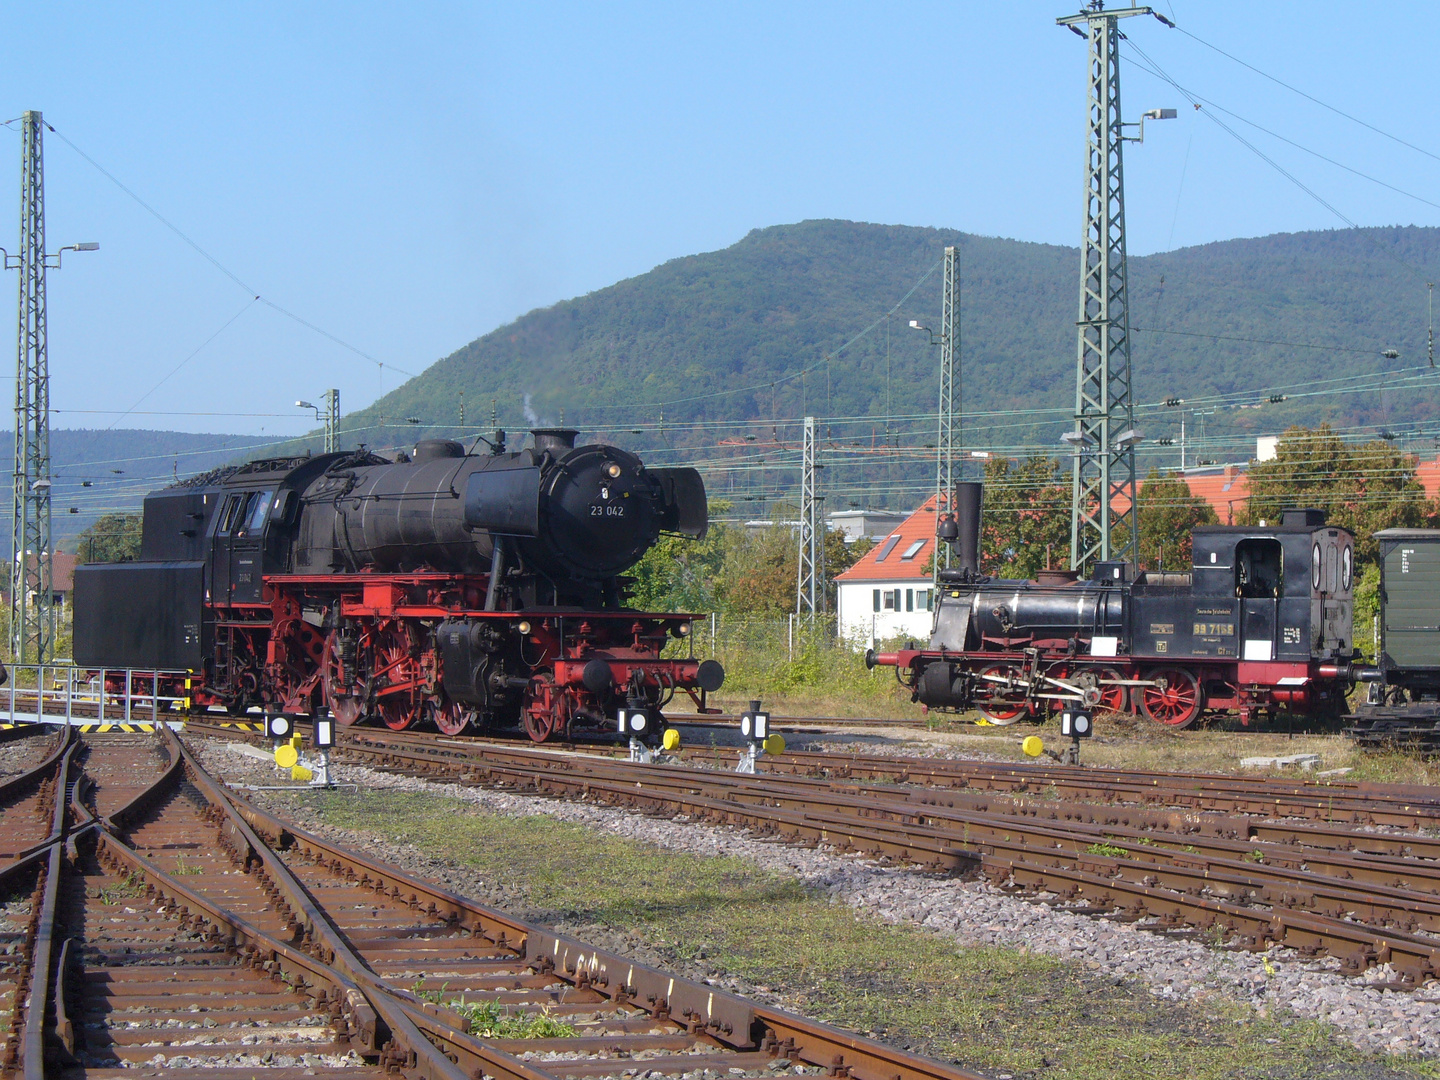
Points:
(1001, 1011)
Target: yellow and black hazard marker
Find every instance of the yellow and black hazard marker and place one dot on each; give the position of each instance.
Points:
(238, 725)
(101, 729)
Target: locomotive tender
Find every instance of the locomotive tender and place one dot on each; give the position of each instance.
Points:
(442, 587)
(1261, 622)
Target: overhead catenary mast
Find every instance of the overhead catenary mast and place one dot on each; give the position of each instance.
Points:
(806, 579)
(32, 615)
(949, 404)
(32, 612)
(1103, 520)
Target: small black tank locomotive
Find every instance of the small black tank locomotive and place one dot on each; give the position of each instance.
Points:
(1260, 623)
(438, 587)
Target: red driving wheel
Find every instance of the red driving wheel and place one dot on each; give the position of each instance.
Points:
(1113, 699)
(995, 701)
(450, 717)
(1174, 699)
(397, 678)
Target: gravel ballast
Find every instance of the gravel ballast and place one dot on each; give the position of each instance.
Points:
(1371, 1016)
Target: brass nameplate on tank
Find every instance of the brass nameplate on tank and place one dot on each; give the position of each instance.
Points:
(1162, 628)
(1224, 611)
(1213, 629)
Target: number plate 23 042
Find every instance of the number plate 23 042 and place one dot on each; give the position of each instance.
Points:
(607, 510)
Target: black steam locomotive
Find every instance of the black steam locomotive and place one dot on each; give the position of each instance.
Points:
(1261, 622)
(441, 587)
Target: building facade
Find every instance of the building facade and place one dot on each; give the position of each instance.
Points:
(888, 593)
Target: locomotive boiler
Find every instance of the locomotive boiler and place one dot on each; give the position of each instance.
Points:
(1260, 623)
(439, 587)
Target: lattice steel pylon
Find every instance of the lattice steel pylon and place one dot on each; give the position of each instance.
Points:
(32, 613)
(332, 419)
(807, 582)
(1104, 437)
(949, 403)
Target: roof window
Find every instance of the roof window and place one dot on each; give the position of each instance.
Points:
(913, 550)
(887, 547)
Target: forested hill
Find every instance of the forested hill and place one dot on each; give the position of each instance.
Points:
(686, 336)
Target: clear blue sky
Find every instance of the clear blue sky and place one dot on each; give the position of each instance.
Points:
(411, 176)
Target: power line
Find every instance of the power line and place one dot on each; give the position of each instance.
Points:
(177, 367)
(1309, 97)
(213, 261)
(1155, 69)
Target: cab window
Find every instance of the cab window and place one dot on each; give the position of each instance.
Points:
(228, 515)
(259, 507)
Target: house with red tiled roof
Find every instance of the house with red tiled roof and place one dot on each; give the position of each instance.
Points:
(888, 593)
(1225, 488)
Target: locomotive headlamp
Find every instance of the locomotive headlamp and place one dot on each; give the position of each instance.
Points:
(1076, 724)
(613, 470)
(523, 626)
(683, 630)
(278, 726)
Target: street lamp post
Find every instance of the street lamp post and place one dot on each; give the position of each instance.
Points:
(330, 417)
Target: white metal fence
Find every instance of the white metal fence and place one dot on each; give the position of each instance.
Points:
(62, 693)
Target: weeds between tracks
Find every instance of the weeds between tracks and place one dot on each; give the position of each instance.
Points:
(1002, 1011)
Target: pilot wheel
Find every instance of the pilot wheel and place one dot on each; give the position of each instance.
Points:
(547, 709)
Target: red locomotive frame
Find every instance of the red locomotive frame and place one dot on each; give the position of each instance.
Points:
(1173, 692)
(270, 654)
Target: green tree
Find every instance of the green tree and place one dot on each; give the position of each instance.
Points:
(1167, 514)
(761, 566)
(1364, 488)
(1026, 517)
(112, 538)
(680, 574)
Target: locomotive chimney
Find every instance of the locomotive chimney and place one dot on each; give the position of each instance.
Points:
(967, 520)
(555, 439)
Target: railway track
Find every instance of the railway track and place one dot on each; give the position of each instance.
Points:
(174, 929)
(1266, 863)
